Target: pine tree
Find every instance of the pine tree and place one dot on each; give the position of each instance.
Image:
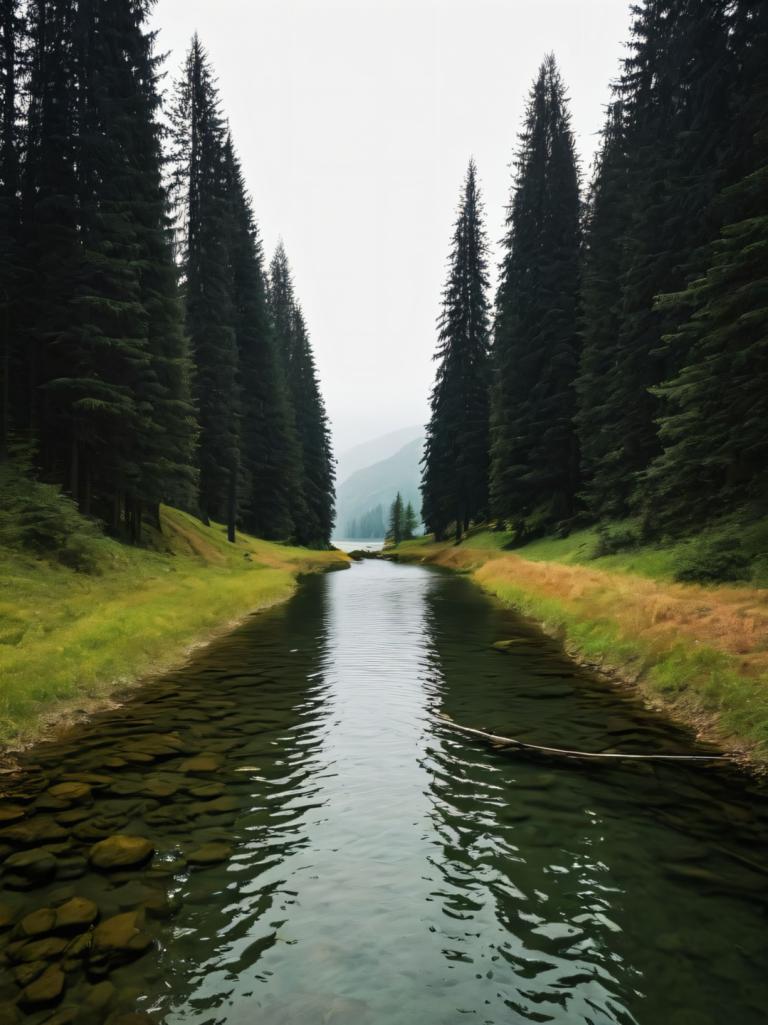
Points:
(267, 438)
(455, 478)
(674, 94)
(201, 186)
(716, 408)
(606, 226)
(312, 466)
(314, 436)
(534, 453)
(410, 522)
(395, 527)
(105, 380)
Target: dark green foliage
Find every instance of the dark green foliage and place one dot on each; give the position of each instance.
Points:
(610, 541)
(715, 561)
(410, 523)
(313, 465)
(606, 225)
(455, 479)
(38, 518)
(715, 410)
(534, 456)
(396, 521)
(101, 378)
(267, 439)
(667, 149)
(202, 184)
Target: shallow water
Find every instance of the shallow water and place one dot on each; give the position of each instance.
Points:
(383, 870)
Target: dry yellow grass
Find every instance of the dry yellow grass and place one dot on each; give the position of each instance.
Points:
(701, 651)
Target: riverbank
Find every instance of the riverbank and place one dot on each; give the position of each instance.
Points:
(68, 639)
(698, 652)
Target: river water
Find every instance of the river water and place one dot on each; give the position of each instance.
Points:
(379, 869)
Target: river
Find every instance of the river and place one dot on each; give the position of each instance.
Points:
(376, 868)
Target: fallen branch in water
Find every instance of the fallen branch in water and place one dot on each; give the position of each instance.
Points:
(519, 745)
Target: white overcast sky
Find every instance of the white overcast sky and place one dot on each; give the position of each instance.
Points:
(354, 120)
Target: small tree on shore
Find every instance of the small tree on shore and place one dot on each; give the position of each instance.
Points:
(396, 521)
(410, 522)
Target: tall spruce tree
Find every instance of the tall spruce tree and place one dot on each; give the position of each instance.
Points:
(314, 435)
(267, 440)
(108, 393)
(674, 93)
(534, 453)
(312, 464)
(606, 226)
(396, 517)
(201, 185)
(715, 409)
(455, 478)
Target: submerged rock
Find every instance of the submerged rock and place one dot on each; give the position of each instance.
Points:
(210, 854)
(76, 915)
(36, 864)
(37, 923)
(39, 950)
(71, 792)
(118, 939)
(47, 989)
(121, 851)
(11, 813)
(201, 764)
(7, 917)
(100, 996)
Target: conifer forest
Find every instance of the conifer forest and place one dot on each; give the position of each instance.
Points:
(383, 512)
(149, 353)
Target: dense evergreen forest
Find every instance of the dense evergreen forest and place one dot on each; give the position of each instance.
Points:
(628, 356)
(148, 354)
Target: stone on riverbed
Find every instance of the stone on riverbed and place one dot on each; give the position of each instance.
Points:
(37, 923)
(26, 973)
(7, 917)
(210, 854)
(201, 764)
(118, 939)
(100, 996)
(34, 865)
(47, 989)
(121, 851)
(76, 915)
(48, 949)
(11, 813)
(71, 792)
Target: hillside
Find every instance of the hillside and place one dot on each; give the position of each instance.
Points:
(374, 451)
(68, 637)
(378, 484)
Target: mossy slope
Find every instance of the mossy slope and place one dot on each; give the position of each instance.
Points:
(69, 636)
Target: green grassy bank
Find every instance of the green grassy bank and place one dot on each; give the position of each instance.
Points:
(68, 636)
(698, 650)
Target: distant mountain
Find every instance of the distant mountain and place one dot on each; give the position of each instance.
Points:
(378, 484)
(374, 451)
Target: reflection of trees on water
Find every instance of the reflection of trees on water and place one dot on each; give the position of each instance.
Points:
(233, 914)
(579, 895)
